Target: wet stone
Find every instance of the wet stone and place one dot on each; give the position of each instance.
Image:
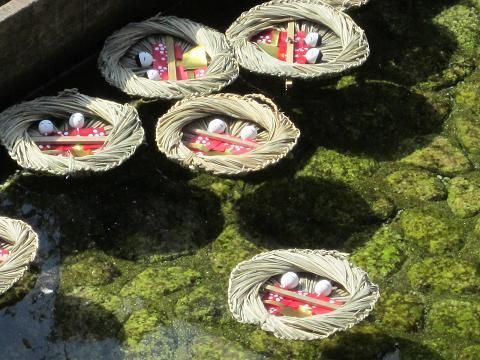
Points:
(464, 197)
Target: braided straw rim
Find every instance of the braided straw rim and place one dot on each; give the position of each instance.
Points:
(276, 140)
(222, 70)
(346, 50)
(248, 278)
(22, 242)
(343, 5)
(125, 133)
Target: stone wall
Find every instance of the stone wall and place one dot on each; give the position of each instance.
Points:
(41, 38)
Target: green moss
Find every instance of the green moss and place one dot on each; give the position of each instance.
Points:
(138, 324)
(230, 248)
(467, 126)
(92, 267)
(21, 288)
(78, 317)
(440, 156)
(463, 23)
(400, 312)
(362, 342)
(382, 254)
(455, 318)
(201, 304)
(346, 81)
(409, 186)
(464, 196)
(443, 275)
(157, 281)
(334, 166)
(215, 348)
(430, 231)
(267, 344)
(470, 353)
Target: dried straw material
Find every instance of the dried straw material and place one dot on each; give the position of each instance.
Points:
(121, 122)
(22, 242)
(354, 288)
(345, 4)
(276, 135)
(117, 58)
(344, 44)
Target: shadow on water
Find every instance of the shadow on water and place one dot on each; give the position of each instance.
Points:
(305, 212)
(81, 319)
(407, 46)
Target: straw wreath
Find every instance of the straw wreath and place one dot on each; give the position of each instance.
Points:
(22, 243)
(121, 123)
(276, 137)
(354, 288)
(344, 44)
(117, 58)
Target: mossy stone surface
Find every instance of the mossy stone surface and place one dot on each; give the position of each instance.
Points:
(464, 196)
(201, 304)
(444, 275)
(430, 231)
(457, 319)
(382, 254)
(400, 311)
(409, 186)
(138, 324)
(440, 156)
(335, 166)
(154, 282)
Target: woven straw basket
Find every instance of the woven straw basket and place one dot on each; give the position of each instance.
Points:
(121, 123)
(354, 288)
(118, 66)
(276, 137)
(344, 44)
(22, 242)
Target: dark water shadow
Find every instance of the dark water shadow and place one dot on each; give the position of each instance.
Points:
(7, 165)
(304, 213)
(78, 318)
(406, 45)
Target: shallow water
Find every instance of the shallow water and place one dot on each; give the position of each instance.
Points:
(134, 263)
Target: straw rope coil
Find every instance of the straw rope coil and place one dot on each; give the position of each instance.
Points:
(22, 243)
(344, 44)
(121, 123)
(276, 137)
(249, 277)
(117, 58)
(345, 4)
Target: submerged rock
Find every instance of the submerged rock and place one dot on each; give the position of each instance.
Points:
(400, 311)
(457, 319)
(464, 196)
(440, 156)
(444, 275)
(430, 231)
(409, 186)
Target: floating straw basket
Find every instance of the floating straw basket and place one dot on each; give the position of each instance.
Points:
(118, 66)
(22, 243)
(276, 137)
(344, 44)
(354, 288)
(121, 122)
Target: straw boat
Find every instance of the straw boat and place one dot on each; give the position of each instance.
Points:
(184, 58)
(119, 124)
(184, 129)
(303, 39)
(354, 294)
(18, 247)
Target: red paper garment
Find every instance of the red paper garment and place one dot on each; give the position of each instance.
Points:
(299, 46)
(210, 146)
(73, 132)
(294, 304)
